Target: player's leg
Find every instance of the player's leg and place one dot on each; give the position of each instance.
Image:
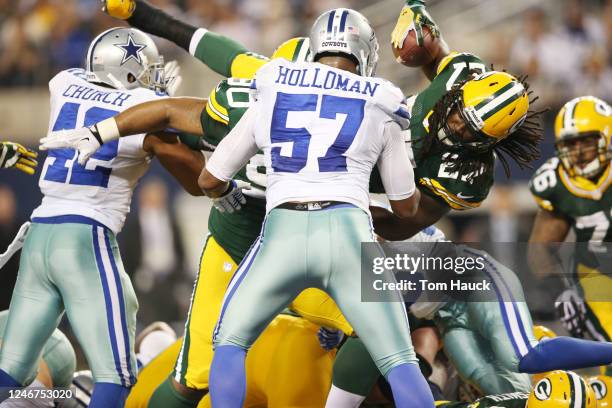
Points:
(193, 363)
(289, 365)
(101, 306)
(269, 277)
(382, 326)
(35, 311)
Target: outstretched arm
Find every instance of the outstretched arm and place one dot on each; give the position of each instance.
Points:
(221, 54)
(415, 17)
(179, 160)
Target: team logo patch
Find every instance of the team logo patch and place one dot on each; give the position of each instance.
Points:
(131, 50)
(600, 388)
(543, 389)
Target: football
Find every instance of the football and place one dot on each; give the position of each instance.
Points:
(413, 55)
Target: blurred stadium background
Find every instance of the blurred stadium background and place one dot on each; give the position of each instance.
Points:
(565, 46)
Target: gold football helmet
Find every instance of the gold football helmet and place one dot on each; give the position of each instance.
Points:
(581, 118)
(492, 105)
(562, 389)
(602, 386)
(296, 49)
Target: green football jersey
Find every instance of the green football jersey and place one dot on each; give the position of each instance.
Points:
(510, 400)
(585, 204)
(237, 231)
(432, 170)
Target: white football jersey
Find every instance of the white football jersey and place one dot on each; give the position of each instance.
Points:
(102, 189)
(322, 130)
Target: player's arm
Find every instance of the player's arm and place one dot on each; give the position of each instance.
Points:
(548, 227)
(397, 174)
(221, 54)
(393, 228)
(231, 155)
(414, 16)
(178, 159)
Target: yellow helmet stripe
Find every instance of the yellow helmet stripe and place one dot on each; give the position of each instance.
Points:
(503, 99)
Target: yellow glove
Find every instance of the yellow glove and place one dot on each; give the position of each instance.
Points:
(121, 9)
(412, 18)
(17, 156)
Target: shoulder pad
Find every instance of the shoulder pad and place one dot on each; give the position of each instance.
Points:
(456, 57)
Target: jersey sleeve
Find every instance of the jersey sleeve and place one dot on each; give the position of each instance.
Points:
(394, 165)
(224, 55)
(236, 149)
(392, 101)
(542, 184)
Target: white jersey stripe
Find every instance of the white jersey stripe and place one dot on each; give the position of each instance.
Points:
(116, 309)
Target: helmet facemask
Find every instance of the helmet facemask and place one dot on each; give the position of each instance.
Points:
(569, 154)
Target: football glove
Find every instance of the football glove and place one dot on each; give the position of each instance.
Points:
(85, 140)
(233, 199)
(121, 9)
(329, 339)
(572, 311)
(16, 245)
(413, 17)
(172, 77)
(17, 156)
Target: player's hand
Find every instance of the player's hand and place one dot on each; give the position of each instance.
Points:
(121, 9)
(172, 77)
(83, 140)
(329, 339)
(413, 17)
(17, 156)
(572, 312)
(233, 199)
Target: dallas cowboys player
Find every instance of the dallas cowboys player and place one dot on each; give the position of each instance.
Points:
(70, 259)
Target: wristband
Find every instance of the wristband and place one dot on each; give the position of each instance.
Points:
(106, 130)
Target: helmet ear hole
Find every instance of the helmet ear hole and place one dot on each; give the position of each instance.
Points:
(131, 78)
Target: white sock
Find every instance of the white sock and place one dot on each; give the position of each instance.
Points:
(338, 398)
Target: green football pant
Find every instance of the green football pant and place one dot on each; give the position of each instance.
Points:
(321, 249)
(72, 263)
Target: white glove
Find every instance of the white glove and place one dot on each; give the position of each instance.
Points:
(572, 312)
(233, 198)
(172, 77)
(16, 245)
(83, 140)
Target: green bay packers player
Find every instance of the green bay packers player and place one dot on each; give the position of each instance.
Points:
(602, 386)
(573, 190)
(14, 155)
(466, 118)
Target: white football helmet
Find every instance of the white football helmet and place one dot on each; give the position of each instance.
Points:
(345, 31)
(125, 58)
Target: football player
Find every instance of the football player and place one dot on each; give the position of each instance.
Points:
(232, 196)
(490, 344)
(574, 192)
(602, 386)
(71, 260)
(459, 124)
(17, 156)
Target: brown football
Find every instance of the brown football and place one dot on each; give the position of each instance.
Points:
(413, 55)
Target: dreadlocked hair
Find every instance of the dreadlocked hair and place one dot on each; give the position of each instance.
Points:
(521, 145)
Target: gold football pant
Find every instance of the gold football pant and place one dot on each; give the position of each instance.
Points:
(285, 368)
(216, 270)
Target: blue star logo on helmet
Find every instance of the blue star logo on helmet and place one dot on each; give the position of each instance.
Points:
(131, 50)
